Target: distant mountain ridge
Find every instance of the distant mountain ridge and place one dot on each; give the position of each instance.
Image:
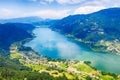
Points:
(22, 20)
(100, 30)
(34, 20)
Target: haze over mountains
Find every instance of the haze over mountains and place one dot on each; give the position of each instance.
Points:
(22, 20)
(30, 20)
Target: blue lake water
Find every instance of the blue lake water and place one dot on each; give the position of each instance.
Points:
(56, 45)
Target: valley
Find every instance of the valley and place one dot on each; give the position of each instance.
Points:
(76, 47)
(56, 45)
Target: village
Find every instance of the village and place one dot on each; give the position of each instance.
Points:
(72, 69)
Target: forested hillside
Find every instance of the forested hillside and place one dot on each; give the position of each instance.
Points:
(100, 30)
(10, 33)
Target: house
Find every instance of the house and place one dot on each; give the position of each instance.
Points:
(13, 49)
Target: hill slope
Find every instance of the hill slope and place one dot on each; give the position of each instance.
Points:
(10, 33)
(101, 30)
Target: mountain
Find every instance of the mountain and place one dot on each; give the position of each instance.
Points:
(22, 20)
(100, 30)
(34, 20)
(23, 63)
(14, 32)
(45, 22)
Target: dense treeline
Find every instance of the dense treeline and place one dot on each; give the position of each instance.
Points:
(10, 74)
(14, 32)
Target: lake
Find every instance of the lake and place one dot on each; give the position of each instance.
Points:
(55, 45)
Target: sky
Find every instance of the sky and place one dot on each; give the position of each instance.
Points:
(53, 9)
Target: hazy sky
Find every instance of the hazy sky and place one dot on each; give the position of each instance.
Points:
(52, 8)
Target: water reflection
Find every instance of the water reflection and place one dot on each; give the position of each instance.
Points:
(53, 44)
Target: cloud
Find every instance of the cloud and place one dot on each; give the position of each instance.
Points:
(51, 13)
(69, 1)
(92, 2)
(56, 8)
(105, 3)
(49, 1)
(95, 5)
(111, 3)
(43, 2)
(88, 9)
(6, 13)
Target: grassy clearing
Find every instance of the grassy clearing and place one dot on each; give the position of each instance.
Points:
(106, 77)
(36, 67)
(16, 55)
(83, 68)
